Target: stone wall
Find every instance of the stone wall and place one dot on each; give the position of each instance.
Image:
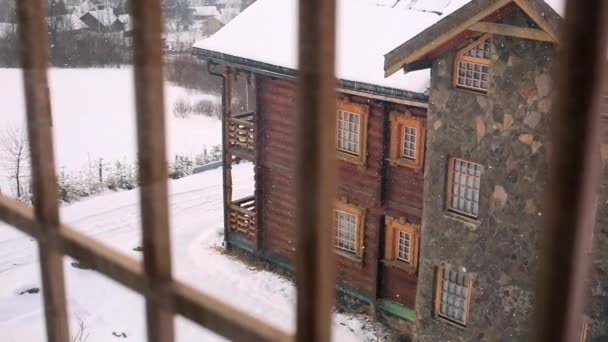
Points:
(506, 131)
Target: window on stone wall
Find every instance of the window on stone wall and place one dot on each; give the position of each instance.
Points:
(349, 220)
(407, 140)
(351, 135)
(472, 65)
(452, 296)
(401, 244)
(464, 180)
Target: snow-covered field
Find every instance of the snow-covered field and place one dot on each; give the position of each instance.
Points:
(108, 309)
(94, 116)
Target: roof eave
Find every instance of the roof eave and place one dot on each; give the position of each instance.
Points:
(290, 74)
(434, 36)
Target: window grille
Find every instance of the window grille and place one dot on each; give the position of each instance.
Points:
(409, 142)
(346, 231)
(349, 132)
(404, 246)
(453, 296)
(473, 65)
(406, 140)
(463, 187)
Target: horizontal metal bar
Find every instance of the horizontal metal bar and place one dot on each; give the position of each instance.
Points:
(241, 210)
(203, 309)
(244, 199)
(242, 115)
(242, 122)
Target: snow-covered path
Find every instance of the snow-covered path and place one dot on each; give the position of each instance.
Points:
(109, 310)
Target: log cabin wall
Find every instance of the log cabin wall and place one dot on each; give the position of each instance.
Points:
(375, 186)
(403, 198)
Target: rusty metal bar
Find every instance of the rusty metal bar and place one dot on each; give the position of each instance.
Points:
(148, 61)
(33, 52)
(315, 170)
(227, 84)
(200, 308)
(573, 175)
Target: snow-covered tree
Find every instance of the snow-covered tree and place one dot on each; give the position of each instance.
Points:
(231, 10)
(14, 157)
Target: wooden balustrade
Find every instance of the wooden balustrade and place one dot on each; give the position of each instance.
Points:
(241, 134)
(243, 216)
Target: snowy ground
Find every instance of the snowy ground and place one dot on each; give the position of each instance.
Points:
(108, 309)
(94, 116)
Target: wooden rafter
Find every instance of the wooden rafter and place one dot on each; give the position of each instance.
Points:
(538, 18)
(427, 48)
(512, 31)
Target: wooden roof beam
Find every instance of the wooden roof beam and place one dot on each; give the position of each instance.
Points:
(512, 31)
(394, 61)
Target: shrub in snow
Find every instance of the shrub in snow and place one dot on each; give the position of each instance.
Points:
(207, 108)
(181, 108)
(182, 167)
(122, 176)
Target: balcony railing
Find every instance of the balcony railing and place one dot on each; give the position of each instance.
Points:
(243, 216)
(241, 134)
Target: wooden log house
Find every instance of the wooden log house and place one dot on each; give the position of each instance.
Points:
(441, 164)
(380, 147)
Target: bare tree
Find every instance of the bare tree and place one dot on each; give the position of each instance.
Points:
(81, 335)
(14, 156)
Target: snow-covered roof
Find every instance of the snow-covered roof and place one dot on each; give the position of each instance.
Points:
(267, 32)
(559, 6)
(105, 16)
(69, 22)
(127, 21)
(205, 11)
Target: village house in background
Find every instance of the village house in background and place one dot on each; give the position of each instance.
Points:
(441, 169)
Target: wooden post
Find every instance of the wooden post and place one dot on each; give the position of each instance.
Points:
(574, 174)
(34, 58)
(148, 60)
(315, 170)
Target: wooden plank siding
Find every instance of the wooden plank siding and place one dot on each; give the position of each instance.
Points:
(379, 188)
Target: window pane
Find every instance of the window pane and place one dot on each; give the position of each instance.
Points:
(403, 245)
(349, 128)
(466, 179)
(409, 142)
(346, 231)
(454, 296)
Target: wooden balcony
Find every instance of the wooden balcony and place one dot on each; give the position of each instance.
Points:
(241, 135)
(243, 217)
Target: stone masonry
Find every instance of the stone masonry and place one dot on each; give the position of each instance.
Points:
(507, 132)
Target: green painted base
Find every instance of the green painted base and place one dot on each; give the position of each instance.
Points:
(396, 309)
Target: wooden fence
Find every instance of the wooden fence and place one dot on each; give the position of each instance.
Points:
(570, 203)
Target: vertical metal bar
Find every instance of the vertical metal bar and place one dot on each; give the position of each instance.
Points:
(574, 174)
(315, 170)
(227, 157)
(148, 61)
(34, 58)
(259, 173)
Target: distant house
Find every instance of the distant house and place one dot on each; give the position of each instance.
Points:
(210, 25)
(204, 12)
(102, 20)
(67, 23)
